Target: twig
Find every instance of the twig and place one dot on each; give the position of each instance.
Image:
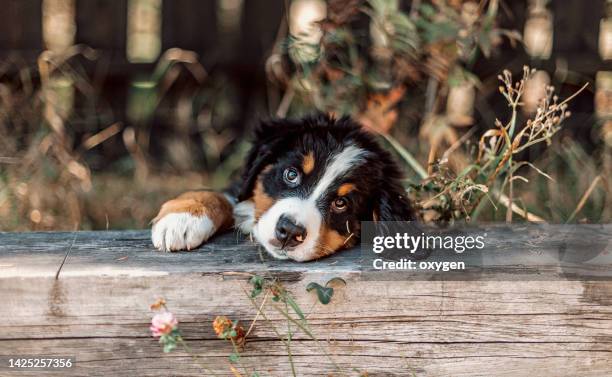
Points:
(260, 311)
(9, 160)
(289, 335)
(510, 193)
(283, 108)
(237, 352)
(235, 371)
(194, 356)
(263, 302)
(505, 201)
(102, 136)
(574, 95)
(584, 198)
(457, 144)
(431, 93)
(308, 332)
(301, 326)
(65, 257)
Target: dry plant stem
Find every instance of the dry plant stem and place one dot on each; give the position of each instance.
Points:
(299, 325)
(9, 160)
(510, 193)
(235, 371)
(194, 356)
(263, 302)
(584, 198)
(457, 144)
(281, 35)
(261, 312)
(289, 335)
(237, 352)
(505, 201)
(102, 136)
(283, 108)
(512, 143)
(511, 182)
(59, 269)
(310, 334)
(431, 159)
(431, 95)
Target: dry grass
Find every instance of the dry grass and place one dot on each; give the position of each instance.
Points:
(397, 86)
(48, 144)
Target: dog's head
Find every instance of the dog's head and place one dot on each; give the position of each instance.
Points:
(312, 181)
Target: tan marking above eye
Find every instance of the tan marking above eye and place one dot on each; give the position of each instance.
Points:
(345, 189)
(266, 169)
(308, 163)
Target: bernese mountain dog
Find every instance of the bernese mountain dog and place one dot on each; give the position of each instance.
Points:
(306, 186)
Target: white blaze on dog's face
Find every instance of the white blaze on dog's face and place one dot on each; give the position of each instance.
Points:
(310, 186)
(292, 226)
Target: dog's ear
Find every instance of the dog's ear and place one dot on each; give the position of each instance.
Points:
(393, 205)
(267, 144)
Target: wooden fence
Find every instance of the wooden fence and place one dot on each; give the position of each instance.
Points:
(98, 311)
(195, 25)
(191, 25)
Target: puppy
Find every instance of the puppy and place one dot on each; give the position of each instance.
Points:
(307, 185)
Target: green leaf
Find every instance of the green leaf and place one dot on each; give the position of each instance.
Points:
(169, 342)
(257, 282)
(234, 357)
(323, 293)
(312, 286)
(169, 347)
(428, 10)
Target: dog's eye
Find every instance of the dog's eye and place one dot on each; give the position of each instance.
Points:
(292, 177)
(339, 205)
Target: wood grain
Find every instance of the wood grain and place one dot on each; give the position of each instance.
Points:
(98, 310)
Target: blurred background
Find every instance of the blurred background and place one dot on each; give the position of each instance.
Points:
(110, 107)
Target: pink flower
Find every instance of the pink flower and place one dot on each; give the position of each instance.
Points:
(163, 324)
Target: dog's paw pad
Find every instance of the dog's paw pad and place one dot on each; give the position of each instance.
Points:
(181, 231)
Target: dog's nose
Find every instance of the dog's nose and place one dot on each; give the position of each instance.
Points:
(289, 232)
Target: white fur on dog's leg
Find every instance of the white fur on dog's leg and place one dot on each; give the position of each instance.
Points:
(244, 216)
(181, 231)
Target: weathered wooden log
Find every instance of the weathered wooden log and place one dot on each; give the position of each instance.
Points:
(98, 311)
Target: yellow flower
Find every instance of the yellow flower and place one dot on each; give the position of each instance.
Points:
(158, 304)
(223, 327)
(221, 324)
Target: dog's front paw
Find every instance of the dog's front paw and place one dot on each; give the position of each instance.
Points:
(181, 231)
